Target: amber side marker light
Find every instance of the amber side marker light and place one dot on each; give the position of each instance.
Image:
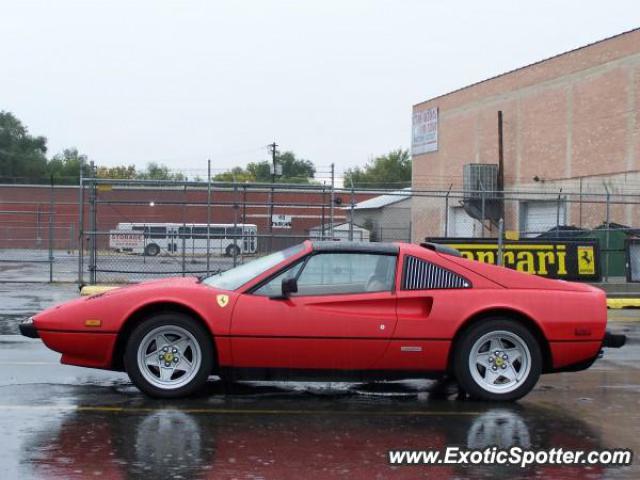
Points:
(92, 323)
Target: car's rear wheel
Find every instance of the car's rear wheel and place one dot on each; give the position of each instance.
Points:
(169, 355)
(497, 359)
(152, 250)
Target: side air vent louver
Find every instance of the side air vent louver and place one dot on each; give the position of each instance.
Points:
(421, 275)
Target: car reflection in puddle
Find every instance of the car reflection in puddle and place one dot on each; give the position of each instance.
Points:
(261, 430)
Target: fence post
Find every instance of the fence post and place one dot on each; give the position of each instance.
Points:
(81, 226)
(580, 206)
(483, 209)
(244, 222)
(235, 223)
(333, 200)
(208, 214)
(184, 230)
(446, 211)
(351, 212)
(51, 216)
(606, 233)
(93, 200)
(558, 212)
(323, 219)
(500, 241)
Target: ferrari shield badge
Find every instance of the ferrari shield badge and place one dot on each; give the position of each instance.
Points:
(222, 300)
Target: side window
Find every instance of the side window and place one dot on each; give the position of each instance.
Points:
(199, 232)
(158, 232)
(334, 273)
(274, 286)
(422, 275)
(216, 232)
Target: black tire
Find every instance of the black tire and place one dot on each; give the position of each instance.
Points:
(463, 351)
(152, 250)
(231, 249)
(169, 319)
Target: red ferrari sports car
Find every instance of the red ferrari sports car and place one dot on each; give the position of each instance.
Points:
(337, 311)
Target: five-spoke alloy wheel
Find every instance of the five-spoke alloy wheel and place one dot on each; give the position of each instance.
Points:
(497, 359)
(169, 355)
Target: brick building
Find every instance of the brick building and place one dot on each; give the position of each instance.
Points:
(570, 122)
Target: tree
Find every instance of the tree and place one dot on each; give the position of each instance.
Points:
(157, 171)
(23, 159)
(236, 174)
(65, 166)
(392, 170)
(122, 172)
(294, 170)
(22, 156)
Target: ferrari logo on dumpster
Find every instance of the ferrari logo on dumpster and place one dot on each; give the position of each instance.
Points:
(222, 300)
(586, 262)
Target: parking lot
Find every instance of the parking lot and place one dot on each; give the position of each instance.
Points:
(27, 265)
(67, 422)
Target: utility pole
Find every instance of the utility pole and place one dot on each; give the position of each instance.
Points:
(500, 179)
(273, 148)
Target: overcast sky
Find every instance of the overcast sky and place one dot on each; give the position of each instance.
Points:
(333, 81)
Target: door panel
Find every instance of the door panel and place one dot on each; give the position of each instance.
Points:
(348, 331)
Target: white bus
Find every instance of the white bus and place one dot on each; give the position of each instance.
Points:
(169, 238)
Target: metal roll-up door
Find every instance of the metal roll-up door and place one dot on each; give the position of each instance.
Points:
(540, 217)
(462, 225)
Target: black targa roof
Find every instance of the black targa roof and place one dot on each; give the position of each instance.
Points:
(359, 247)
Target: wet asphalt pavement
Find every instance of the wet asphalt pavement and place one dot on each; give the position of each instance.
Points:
(22, 265)
(62, 422)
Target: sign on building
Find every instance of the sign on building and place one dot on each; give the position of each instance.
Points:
(567, 260)
(281, 221)
(425, 131)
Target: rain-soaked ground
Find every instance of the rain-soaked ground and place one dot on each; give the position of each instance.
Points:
(61, 422)
(30, 265)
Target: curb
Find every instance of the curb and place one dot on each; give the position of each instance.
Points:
(618, 303)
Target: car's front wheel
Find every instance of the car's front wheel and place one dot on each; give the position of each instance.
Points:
(497, 359)
(169, 355)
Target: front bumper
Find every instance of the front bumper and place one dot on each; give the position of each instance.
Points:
(612, 340)
(28, 329)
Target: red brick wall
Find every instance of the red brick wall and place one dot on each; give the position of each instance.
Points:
(24, 211)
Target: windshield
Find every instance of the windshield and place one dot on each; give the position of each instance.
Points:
(236, 277)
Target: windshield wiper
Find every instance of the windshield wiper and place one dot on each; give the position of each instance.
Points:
(201, 278)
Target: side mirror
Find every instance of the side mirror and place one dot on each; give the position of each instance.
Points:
(289, 286)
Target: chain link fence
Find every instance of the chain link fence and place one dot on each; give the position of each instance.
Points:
(115, 231)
